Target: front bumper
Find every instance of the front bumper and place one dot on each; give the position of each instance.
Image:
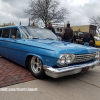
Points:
(69, 70)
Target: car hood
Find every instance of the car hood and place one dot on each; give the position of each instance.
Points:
(62, 47)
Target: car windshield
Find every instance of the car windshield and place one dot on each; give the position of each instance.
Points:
(29, 32)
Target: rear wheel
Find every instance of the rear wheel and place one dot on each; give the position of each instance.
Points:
(36, 67)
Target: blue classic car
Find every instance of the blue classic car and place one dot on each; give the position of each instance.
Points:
(41, 51)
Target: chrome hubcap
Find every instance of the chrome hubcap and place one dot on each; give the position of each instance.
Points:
(36, 64)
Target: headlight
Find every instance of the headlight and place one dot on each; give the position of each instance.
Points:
(66, 59)
(62, 60)
(69, 58)
(97, 54)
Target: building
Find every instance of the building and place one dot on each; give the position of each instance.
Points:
(85, 29)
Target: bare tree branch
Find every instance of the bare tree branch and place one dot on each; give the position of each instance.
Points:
(96, 21)
(46, 10)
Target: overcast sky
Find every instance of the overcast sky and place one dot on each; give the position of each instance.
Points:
(12, 11)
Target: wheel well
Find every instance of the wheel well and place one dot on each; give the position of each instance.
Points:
(27, 60)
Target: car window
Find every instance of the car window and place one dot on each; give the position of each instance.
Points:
(6, 33)
(0, 32)
(15, 34)
(36, 33)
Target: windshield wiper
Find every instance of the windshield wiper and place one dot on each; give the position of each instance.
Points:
(35, 38)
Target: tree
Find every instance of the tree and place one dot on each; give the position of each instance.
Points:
(7, 24)
(96, 21)
(46, 10)
(33, 24)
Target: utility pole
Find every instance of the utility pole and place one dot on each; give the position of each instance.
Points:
(20, 23)
(29, 22)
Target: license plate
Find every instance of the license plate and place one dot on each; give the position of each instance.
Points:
(85, 69)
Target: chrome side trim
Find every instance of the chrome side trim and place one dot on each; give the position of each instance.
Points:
(69, 70)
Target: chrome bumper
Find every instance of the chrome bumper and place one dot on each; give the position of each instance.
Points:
(69, 70)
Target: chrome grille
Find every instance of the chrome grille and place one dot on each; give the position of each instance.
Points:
(84, 57)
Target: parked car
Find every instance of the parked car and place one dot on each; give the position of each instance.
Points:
(97, 41)
(81, 35)
(41, 51)
(58, 34)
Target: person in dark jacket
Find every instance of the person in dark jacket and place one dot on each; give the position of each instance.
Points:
(67, 33)
(92, 38)
(74, 38)
(50, 27)
(86, 40)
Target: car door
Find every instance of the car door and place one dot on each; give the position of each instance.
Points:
(12, 44)
(3, 42)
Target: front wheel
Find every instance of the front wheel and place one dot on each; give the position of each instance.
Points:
(36, 67)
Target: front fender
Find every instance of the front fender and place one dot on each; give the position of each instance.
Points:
(31, 54)
(46, 60)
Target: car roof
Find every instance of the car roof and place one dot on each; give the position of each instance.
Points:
(18, 27)
(9, 27)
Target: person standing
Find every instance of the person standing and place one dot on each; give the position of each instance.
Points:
(74, 38)
(67, 33)
(50, 27)
(86, 40)
(93, 40)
